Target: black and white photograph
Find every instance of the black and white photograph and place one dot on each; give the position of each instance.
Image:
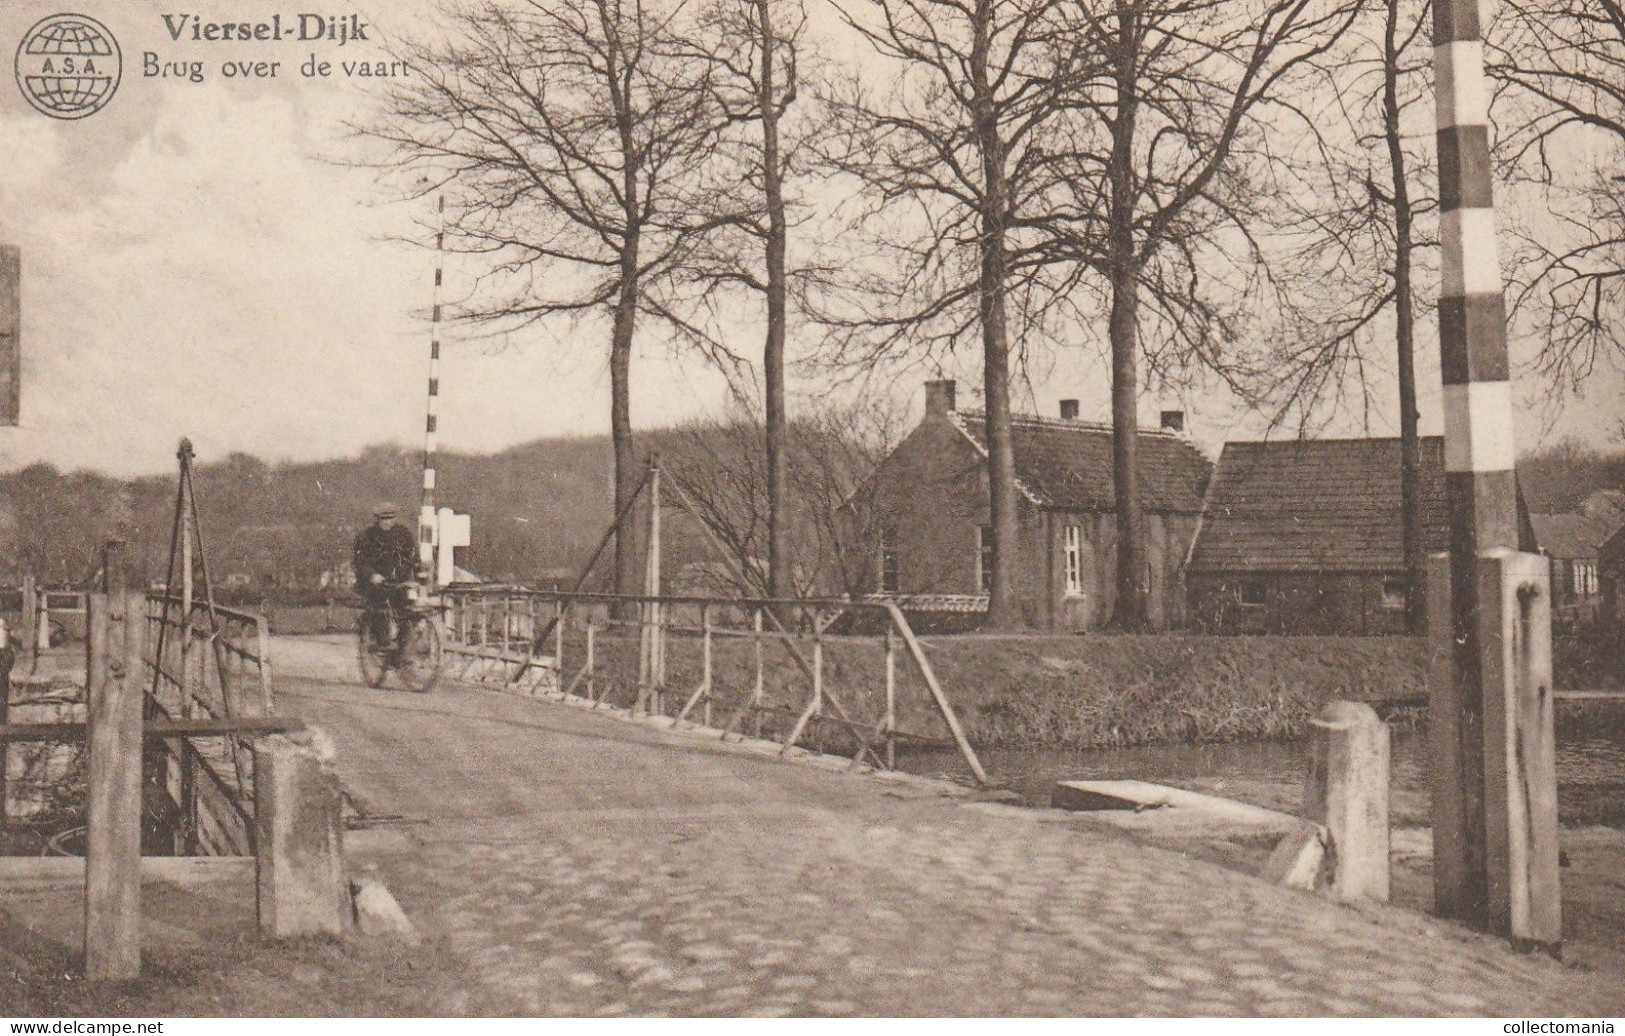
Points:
(615, 511)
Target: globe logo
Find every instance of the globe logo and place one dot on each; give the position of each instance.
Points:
(68, 66)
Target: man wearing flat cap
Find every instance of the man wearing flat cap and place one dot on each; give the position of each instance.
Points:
(385, 557)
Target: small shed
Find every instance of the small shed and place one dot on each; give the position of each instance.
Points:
(1306, 536)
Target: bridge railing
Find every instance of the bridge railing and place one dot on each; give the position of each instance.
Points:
(827, 672)
(208, 663)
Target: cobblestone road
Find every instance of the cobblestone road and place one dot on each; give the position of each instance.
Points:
(584, 865)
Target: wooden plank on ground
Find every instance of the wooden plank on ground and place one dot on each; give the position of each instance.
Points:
(28, 872)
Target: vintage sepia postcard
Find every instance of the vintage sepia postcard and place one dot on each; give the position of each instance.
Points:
(587, 509)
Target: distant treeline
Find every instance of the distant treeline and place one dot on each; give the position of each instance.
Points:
(1560, 478)
(539, 508)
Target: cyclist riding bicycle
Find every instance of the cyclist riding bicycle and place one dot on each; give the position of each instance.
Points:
(385, 560)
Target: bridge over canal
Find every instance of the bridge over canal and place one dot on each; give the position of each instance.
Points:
(584, 864)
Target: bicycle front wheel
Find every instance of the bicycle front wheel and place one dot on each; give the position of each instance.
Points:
(420, 656)
(373, 656)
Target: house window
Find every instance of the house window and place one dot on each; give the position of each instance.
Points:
(984, 558)
(1252, 592)
(1584, 579)
(889, 582)
(1073, 554)
(1393, 594)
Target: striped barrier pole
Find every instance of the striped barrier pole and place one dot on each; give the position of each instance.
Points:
(426, 511)
(1485, 682)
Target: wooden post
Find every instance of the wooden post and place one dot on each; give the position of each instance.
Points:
(1520, 752)
(891, 696)
(705, 679)
(1457, 773)
(297, 821)
(592, 690)
(818, 666)
(8, 661)
(928, 674)
(113, 814)
(262, 647)
(761, 672)
(1347, 790)
(651, 642)
(561, 618)
(113, 567)
(29, 634)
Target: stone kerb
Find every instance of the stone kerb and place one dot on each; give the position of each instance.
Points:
(298, 822)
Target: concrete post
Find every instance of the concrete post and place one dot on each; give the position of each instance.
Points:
(1520, 751)
(1495, 843)
(1347, 791)
(300, 865)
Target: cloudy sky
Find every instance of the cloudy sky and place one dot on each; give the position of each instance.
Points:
(199, 261)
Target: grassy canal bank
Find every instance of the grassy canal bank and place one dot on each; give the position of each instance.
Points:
(1052, 692)
(1055, 692)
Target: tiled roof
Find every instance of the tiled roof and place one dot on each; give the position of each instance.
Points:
(1574, 537)
(1327, 505)
(1067, 465)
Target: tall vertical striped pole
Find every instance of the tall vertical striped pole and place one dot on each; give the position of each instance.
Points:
(426, 512)
(1472, 311)
(1475, 746)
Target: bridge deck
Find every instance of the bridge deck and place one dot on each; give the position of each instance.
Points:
(581, 864)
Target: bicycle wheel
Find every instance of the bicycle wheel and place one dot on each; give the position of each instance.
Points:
(420, 656)
(372, 656)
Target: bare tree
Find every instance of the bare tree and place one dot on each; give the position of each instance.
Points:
(1192, 99)
(758, 49)
(958, 190)
(833, 453)
(1364, 222)
(572, 137)
(1559, 68)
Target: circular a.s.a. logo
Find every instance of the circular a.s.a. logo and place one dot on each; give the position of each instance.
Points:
(68, 66)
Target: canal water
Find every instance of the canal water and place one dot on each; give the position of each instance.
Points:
(1590, 770)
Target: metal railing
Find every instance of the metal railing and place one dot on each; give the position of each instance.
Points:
(208, 663)
(823, 671)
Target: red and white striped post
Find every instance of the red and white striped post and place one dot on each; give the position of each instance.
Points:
(1491, 835)
(426, 512)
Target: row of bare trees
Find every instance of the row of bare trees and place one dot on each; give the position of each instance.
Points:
(1229, 190)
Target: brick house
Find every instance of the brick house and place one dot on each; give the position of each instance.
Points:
(931, 509)
(1573, 541)
(1611, 579)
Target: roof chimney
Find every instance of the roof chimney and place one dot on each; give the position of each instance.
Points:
(1173, 420)
(939, 396)
(1069, 410)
